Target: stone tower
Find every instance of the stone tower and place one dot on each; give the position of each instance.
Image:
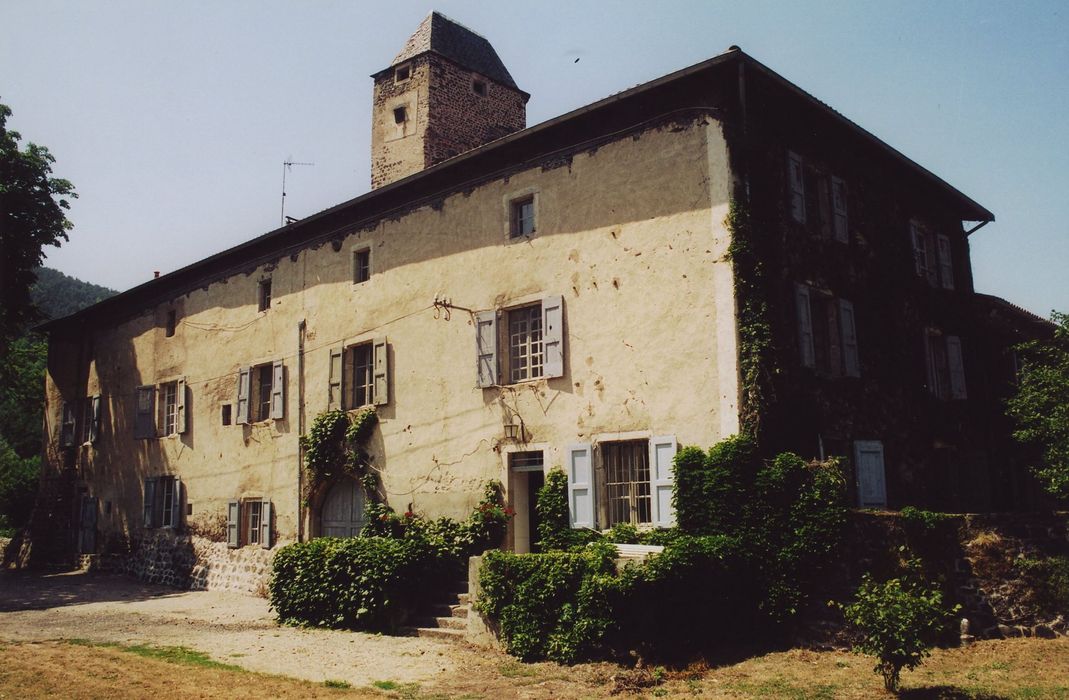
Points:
(447, 92)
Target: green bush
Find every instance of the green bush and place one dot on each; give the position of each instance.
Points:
(1049, 578)
(555, 532)
(919, 521)
(18, 486)
(900, 620)
(709, 487)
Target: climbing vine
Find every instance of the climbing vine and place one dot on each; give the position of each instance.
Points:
(336, 444)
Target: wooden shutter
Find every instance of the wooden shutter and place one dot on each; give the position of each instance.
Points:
(244, 384)
(553, 336)
(180, 420)
(824, 205)
(931, 271)
(278, 390)
(334, 382)
(94, 419)
(838, 204)
(144, 415)
(805, 326)
(380, 363)
(662, 452)
(149, 503)
(580, 485)
(796, 177)
(848, 333)
(956, 367)
(486, 348)
(868, 462)
(66, 428)
(233, 522)
(946, 262)
(920, 252)
(265, 524)
(176, 504)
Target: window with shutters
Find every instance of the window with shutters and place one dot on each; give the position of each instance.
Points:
(627, 481)
(933, 258)
(261, 393)
(359, 375)
(827, 333)
(249, 523)
(527, 341)
(91, 411)
(817, 199)
(945, 366)
(68, 428)
(162, 502)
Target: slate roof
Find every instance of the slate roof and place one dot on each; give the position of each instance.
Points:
(459, 44)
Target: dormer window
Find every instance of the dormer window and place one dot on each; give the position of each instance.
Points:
(479, 87)
(399, 115)
(401, 74)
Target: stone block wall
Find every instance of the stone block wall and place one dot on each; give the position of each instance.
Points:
(197, 563)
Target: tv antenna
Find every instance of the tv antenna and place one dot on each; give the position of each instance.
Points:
(286, 165)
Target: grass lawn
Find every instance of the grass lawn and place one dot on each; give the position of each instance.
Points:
(1017, 668)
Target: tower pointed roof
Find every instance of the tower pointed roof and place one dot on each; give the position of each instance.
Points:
(459, 44)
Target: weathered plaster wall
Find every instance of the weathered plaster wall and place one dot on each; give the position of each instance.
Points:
(630, 233)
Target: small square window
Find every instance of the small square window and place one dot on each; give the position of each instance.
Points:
(522, 217)
(361, 265)
(399, 115)
(264, 294)
(227, 414)
(172, 321)
(479, 87)
(402, 74)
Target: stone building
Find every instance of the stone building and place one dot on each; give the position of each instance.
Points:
(714, 250)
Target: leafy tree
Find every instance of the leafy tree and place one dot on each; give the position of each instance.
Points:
(32, 215)
(18, 483)
(1041, 405)
(56, 295)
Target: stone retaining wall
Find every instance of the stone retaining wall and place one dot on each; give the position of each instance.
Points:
(196, 563)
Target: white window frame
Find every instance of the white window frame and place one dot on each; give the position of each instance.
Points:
(162, 500)
(264, 294)
(356, 251)
(495, 349)
(510, 201)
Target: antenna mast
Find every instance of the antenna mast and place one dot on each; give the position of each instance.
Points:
(286, 165)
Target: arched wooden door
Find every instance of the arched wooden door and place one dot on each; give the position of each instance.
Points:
(342, 514)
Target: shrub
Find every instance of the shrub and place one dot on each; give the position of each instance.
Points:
(900, 620)
(1049, 579)
(709, 488)
(919, 521)
(555, 532)
(18, 486)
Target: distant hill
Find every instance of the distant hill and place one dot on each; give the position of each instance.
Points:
(57, 295)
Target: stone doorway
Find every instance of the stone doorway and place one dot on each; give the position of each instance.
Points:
(342, 514)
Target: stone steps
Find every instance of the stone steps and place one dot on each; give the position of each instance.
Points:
(448, 619)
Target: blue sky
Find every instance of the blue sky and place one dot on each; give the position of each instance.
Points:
(173, 119)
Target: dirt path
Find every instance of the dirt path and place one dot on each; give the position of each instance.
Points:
(234, 629)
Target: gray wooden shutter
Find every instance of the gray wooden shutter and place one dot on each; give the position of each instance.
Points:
(841, 225)
(946, 262)
(848, 332)
(334, 382)
(278, 390)
(553, 336)
(149, 502)
(796, 177)
(662, 452)
(486, 348)
(932, 374)
(805, 326)
(244, 383)
(181, 423)
(868, 461)
(233, 520)
(94, 419)
(265, 524)
(381, 367)
(145, 415)
(957, 368)
(580, 485)
(176, 504)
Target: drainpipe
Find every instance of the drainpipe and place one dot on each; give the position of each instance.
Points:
(301, 326)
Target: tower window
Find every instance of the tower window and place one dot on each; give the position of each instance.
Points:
(401, 74)
(479, 87)
(399, 115)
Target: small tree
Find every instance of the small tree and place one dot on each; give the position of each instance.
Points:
(900, 621)
(1041, 405)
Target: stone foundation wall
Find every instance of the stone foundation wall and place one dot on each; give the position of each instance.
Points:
(196, 563)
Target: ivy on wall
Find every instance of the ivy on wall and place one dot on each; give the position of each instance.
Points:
(336, 445)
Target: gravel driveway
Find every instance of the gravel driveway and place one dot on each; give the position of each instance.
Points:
(230, 627)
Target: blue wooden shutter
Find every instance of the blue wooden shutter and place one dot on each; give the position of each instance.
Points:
(957, 368)
(244, 382)
(553, 336)
(278, 390)
(580, 485)
(265, 524)
(380, 363)
(181, 423)
(486, 348)
(805, 326)
(176, 504)
(796, 177)
(868, 462)
(848, 332)
(233, 520)
(334, 381)
(841, 224)
(149, 503)
(662, 452)
(94, 419)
